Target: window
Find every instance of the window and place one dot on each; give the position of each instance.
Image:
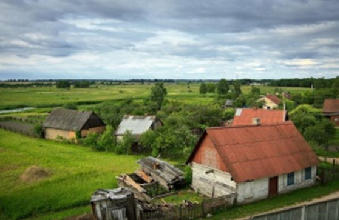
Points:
(290, 178)
(336, 119)
(308, 173)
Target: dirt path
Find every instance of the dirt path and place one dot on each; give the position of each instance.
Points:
(330, 196)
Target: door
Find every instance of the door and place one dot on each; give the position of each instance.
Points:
(273, 186)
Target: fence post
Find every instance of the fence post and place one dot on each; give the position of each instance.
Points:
(303, 213)
(203, 209)
(180, 212)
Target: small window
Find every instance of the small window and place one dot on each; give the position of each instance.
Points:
(308, 173)
(336, 119)
(290, 178)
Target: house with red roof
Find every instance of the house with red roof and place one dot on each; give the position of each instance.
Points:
(245, 116)
(270, 101)
(331, 110)
(253, 162)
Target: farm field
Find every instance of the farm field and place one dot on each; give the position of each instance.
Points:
(51, 96)
(74, 173)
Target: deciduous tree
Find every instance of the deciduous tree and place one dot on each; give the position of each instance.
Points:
(158, 93)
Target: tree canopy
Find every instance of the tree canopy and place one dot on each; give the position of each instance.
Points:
(158, 93)
(222, 87)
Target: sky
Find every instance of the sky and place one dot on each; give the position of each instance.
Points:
(168, 39)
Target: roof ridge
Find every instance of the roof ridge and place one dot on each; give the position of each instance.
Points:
(243, 126)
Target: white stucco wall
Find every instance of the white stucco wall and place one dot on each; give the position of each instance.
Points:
(213, 183)
(258, 189)
(250, 191)
(299, 180)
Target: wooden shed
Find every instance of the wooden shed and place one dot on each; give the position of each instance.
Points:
(65, 123)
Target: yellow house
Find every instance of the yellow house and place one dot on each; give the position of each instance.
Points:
(270, 101)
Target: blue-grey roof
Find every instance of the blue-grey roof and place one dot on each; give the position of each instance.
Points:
(135, 124)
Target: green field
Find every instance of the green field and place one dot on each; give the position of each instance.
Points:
(75, 173)
(51, 96)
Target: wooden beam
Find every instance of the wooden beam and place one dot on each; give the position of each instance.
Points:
(128, 180)
(144, 176)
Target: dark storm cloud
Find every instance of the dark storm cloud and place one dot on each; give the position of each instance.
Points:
(241, 34)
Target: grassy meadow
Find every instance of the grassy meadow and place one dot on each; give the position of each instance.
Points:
(50, 96)
(75, 173)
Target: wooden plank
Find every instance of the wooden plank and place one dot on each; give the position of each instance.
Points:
(144, 176)
(128, 180)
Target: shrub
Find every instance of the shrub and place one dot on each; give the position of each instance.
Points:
(38, 130)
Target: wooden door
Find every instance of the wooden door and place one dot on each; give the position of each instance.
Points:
(273, 186)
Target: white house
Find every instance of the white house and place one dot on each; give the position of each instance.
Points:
(253, 161)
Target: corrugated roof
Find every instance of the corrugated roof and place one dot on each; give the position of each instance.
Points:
(66, 119)
(229, 102)
(135, 124)
(331, 106)
(244, 116)
(254, 152)
(274, 99)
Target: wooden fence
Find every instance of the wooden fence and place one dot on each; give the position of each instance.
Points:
(190, 211)
(19, 130)
(329, 173)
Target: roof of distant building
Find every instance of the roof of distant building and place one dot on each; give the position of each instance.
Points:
(67, 119)
(331, 106)
(274, 99)
(135, 124)
(244, 116)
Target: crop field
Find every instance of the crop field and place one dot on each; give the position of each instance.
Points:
(51, 96)
(68, 175)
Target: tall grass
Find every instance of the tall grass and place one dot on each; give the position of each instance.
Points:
(76, 172)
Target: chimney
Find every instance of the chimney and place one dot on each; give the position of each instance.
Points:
(255, 121)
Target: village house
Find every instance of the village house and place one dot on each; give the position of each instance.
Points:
(228, 103)
(64, 123)
(136, 125)
(253, 161)
(331, 110)
(270, 101)
(245, 116)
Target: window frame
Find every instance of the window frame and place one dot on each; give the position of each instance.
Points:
(308, 173)
(290, 179)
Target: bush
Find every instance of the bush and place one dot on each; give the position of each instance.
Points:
(38, 130)
(124, 146)
(188, 175)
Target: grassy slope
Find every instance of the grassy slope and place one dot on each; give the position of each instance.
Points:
(76, 173)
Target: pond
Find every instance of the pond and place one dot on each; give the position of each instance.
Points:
(16, 110)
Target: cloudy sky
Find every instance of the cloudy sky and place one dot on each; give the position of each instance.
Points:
(200, 39)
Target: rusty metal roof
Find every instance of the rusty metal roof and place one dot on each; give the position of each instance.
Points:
(135, 124)
(331, 106)
(67, 119)
(244, 116)
(254, 152)
(274, 99)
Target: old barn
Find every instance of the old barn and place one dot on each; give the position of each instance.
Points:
(65, 123)
(253, 161)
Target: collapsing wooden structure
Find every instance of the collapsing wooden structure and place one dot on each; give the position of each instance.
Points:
(113, 204)
(154, 178)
